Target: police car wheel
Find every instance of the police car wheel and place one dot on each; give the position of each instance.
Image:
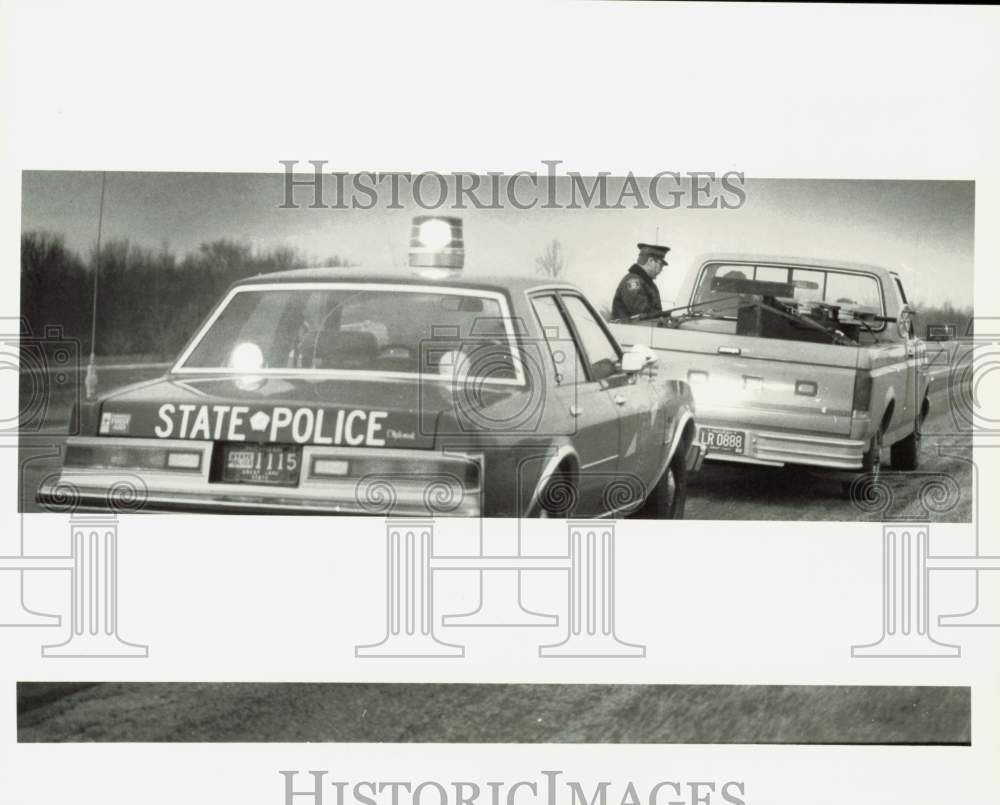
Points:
(666, 501)
(559, 497)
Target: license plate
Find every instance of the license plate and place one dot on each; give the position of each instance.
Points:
(271, 464)
(720, 440)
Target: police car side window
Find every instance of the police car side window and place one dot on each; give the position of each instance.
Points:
(601, 353)
(559, 340)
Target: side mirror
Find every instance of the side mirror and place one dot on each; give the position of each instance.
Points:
(637, 358)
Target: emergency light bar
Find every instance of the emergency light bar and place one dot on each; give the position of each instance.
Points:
(436, 242)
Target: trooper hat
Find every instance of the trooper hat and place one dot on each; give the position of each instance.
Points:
(649, 249)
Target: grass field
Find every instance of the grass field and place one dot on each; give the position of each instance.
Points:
(492, 713)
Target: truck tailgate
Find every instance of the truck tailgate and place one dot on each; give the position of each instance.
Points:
(757, 382)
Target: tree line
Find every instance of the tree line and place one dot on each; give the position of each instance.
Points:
(149, 300)
(947, 313)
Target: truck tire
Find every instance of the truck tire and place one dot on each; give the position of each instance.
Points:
(871, 465)
(906, 452)
(666, 501)
(871, 462)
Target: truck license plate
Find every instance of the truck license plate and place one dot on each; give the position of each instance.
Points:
(720, 440)
(270, 464)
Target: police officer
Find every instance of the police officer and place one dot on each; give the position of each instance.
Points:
(637, 294)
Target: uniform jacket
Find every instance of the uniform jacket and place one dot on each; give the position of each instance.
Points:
(637, 294)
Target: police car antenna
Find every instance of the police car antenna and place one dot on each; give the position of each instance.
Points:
(90, 381)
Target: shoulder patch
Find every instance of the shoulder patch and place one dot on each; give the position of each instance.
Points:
(633, 284)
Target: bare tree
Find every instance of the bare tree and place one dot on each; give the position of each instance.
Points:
(149, 300)
(552, 262)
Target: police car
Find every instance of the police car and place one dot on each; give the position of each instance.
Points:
(356, 392)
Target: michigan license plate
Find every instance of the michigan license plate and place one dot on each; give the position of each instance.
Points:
(271, 464)
(720, 440)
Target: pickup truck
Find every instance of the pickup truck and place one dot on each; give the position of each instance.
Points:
(795, 361)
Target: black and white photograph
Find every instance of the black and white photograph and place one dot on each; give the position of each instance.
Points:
(705, 346)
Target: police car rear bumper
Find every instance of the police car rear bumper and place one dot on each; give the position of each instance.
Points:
(425, 484)
(98, 500)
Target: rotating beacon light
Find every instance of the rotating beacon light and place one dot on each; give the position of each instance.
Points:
(436, 245)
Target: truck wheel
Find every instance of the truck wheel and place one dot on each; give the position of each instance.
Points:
(871, 464)
(906, 453)
(666, 501)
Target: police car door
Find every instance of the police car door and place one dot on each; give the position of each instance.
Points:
(636, 403)
(583, 400)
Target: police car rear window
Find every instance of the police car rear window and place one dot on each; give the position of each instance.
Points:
(387, 330)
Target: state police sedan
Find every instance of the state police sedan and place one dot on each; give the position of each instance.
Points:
(332, 391)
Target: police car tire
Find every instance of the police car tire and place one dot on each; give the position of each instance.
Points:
(661, 504)
(558, 499)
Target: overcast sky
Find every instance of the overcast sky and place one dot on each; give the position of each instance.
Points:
(923, 229)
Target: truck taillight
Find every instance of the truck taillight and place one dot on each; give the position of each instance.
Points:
(862, 392)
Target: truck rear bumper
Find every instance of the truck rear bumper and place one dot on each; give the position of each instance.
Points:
(775, 449)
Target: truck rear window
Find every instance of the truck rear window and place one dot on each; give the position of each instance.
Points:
(853, 292)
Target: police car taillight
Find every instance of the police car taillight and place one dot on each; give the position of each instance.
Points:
(436, 245)
(401, 470)
(133, 457)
